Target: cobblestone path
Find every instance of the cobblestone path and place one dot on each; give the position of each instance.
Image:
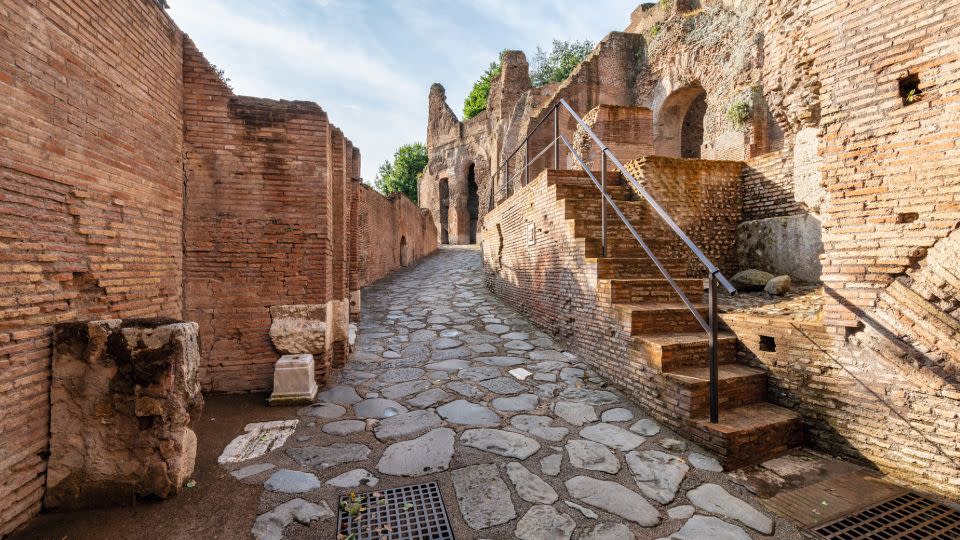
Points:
(549, 453)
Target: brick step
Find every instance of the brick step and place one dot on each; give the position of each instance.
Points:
(589, 209)
(659, 318)
(748, 435)
(633, 291)
(617, 248)
(676, 350)
(579, 176)
(635, 267)
(738, 385)
(583, 191)
(591, 227)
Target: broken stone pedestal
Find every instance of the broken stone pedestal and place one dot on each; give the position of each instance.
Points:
(124, 395)
(294, 381)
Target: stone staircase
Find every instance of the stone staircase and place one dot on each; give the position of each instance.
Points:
(663, 333)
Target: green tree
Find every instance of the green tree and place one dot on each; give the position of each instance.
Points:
(476, 101)
(402, 174)
(557, 65)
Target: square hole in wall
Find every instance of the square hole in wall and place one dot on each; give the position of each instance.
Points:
(909, 88)
(768, 344)
(907, 217)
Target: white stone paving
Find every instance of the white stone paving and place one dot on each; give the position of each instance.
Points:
(428, 393)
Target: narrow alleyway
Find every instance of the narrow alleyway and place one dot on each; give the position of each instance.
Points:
(429, 394)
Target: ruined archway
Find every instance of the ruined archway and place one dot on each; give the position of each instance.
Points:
(473, 201)
(444, 211)
(678, 123)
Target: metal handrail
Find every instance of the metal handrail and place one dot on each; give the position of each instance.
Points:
(711, 324)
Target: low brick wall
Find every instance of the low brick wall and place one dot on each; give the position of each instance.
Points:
(393, 233)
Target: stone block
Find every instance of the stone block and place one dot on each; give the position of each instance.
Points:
(299, 329)
(294, 380)
(124, 395)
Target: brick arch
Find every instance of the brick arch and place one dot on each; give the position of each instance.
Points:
(678, 122)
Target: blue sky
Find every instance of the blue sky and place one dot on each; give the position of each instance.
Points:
(370, 63)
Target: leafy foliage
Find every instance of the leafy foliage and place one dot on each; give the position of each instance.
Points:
(476, 101)
(739, 112)
(401, 176)
(557, 65)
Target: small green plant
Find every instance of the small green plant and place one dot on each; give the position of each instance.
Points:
(738, 114)
(664, 4)
(654, 30)
(913, 95)
(354, 505)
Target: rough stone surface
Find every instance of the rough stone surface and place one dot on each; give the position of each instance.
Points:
(645, 427)
(483, 497)
(617, 414)
(701, 527)
(609, 531)
(344, 427)
(577, 414)
(539, 426)
(586, 395)
(529, 486)
(750, 280)
(658, 475)
(612, 436)
(427, 454)
(252, 470)
(287, 481)
(778, 286)
(340, 394)
(354, 478)
(521, 403)
(299, 329)
(714, 499)
(550, 465)
(270, 526)
(97, 442)
(378, 408)
(428, 398)
(502, 443)
(503, 385)
(468, 414)
(683, 511)
(592, 456)
(406, 424)
(704, 463)
(323, 410)
(543, 522)
(479, 373)
(324, 457)
(404, 389)
(614, 498)
(588, 513)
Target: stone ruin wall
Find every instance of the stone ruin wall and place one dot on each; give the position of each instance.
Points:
(93, 194)
(844, 183)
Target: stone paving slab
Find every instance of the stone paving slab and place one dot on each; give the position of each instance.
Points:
(428, 396)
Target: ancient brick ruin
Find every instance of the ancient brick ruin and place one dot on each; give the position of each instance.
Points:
(161, 237)
(136, 184)
(838, 176)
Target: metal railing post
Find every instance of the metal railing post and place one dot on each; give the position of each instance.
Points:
(603, 203)
(526, 161)
(506, 175)
(714, 375)
(556, 134)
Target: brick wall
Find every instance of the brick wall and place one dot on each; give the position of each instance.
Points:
(91, 195)
(266, 196)
(386, 224)
(703, 198)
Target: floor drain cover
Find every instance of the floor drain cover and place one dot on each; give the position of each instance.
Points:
(909, 516)
(402, 513)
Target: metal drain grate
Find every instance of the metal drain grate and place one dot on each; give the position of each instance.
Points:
(402, 513)
(909, 516)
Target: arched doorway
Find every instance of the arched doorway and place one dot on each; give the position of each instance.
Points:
(473, 202)
(678, 123)
(404, 252)
(444, 210)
